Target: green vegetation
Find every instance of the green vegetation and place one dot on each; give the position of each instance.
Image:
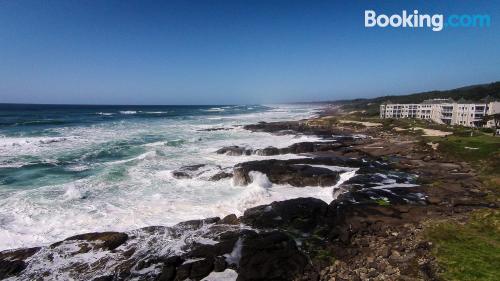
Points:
(468, 251)
(476, 148)
(370, 107)
(382, 202)
(471, 251)
(325, 255)
(482, 151)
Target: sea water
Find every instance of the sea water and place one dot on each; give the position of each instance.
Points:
(66, 170)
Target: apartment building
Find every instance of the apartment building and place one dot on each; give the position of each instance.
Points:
(443, 111)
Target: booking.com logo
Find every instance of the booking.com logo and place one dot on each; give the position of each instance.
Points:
(415, 20)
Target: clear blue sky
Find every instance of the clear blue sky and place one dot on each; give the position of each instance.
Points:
(213, 52)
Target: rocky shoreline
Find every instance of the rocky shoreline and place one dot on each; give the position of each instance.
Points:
(372, 231)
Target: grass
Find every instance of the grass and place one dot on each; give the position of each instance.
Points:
(325, 255)
(475, 148)
(482, 151)
(468, 251)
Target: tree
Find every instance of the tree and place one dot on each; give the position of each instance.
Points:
(496, 121)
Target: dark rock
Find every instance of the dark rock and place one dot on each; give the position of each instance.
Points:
(220, 175)
(286, 172)
(195, 224)
(168, 273)
(220, 264)
(229, 219)
(234, 151)
(180, 175)
(11, 267)
(270, 256)
(268, 151)
(211, 251)
(302, 214)
(194, 270)
(18, 254)
(110, 240)
(13, 262)
(288, 127)
(214, 129)
(301, 147)
(187, 172)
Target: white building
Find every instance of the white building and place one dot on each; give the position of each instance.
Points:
(443, 111)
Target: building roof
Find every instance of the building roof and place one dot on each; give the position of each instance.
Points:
(434, 101)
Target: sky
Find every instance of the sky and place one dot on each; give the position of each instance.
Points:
(234, 52)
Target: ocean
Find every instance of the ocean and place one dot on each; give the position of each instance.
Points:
(71, 169)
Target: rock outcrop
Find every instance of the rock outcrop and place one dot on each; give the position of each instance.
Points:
(285, 172)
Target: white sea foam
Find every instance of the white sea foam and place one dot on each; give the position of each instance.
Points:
(72, 193)
(154, 112)
(214, 109)
(128, 112)
(226, 275)
(137, 189)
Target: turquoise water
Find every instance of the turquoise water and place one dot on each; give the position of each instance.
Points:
(71, 169)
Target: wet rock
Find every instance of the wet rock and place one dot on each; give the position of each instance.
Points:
(268, 151)
(214, 129)
(196, 224)
(169, 268)
(220, 176)
(285, 172)
(18, 254)
(234, 150)
(209, 251)
(231, 219)
(13, 262)
(301, 147)
(297, 127)
(181, 175)
(308, 147)
(270, 256)
(11, 267)
(220, 264)
(302, 214)
(194, 270)
(102, 240)
(187, 172)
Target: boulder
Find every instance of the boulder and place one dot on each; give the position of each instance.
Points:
(270, 256)
(303, 214)
(220, 176)
(234, 151)
(285, 172)
(195, 224)
(194, 270)
(101, 240)
(231, 219)
(187, 172)
(268, 151)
